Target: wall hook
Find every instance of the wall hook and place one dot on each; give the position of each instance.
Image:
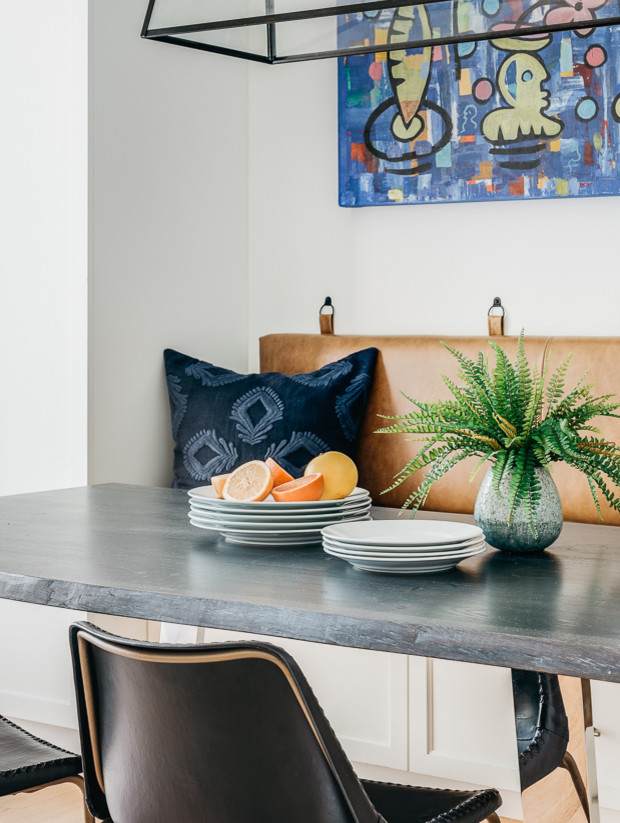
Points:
(326, 318)
(496, 321)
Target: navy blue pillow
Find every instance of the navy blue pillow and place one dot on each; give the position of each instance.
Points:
(221, 419)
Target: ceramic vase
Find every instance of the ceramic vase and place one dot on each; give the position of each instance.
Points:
(491, 514)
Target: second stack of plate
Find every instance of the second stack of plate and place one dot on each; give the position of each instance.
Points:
(267, 523)
(403, 547)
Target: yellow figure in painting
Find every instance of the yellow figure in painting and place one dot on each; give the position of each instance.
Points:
(409, 71)
(520, 80)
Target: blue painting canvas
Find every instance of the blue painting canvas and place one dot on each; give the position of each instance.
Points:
(522, 116)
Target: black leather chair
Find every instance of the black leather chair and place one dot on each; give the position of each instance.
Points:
(542, 731)
(28, 763)
(226, 733)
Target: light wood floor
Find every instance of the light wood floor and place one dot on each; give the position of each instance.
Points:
(60, 804)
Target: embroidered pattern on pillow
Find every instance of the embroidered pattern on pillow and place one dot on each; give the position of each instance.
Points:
(255, 414)
(221, 419)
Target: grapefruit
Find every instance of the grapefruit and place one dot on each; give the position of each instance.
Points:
(339, 474)
(218, 481)
(280, 475)
(252, 482)
(308, 487)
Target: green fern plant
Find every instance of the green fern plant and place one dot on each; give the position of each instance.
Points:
(515, 419)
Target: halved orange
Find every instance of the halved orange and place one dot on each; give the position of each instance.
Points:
(280, 475)
(252, 482)
(218, 481)
(309, 487)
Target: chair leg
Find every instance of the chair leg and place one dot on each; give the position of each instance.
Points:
(571, 767)
(493, 818)
(78, 781)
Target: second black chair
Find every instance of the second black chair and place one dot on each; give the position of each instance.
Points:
(29, 764)
(228, 733)
(543, 731)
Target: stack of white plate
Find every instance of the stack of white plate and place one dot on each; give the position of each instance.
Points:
(403, 547)
(268, 523)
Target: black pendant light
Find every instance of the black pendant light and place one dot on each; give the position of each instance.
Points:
(286, 31)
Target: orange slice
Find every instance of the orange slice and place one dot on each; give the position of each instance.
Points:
(309, 487)
(280, 475)
(252, 482)
(218, 481)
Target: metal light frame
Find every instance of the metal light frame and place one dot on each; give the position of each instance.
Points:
(173, 34)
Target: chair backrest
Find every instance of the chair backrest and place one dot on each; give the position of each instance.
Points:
(229, 733)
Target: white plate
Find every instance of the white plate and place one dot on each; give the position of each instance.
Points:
(331, 541)
(242, 540)
(268, 539)
(390, 557)
(261, 526)
(276, 509)
(207, 493)
(404, 533)
(325, 517)
(428, 567)
(312, 521)
(226, 529)
(419, 566)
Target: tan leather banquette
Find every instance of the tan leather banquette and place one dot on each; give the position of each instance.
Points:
(414, 365)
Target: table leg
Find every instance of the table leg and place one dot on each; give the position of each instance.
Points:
(555, 738)
(177, 633)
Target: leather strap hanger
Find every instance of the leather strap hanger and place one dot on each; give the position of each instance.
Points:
(326, 318)
(496, 321)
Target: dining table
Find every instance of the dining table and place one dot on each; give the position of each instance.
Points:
(131, 551)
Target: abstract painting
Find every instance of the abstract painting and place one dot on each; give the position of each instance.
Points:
(522, 116)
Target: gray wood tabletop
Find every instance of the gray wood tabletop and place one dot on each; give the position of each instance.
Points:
(131, 551)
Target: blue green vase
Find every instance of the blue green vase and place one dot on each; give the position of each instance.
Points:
(491, 514)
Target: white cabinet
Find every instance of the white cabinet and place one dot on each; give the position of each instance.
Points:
(126, 626)
(462, 723)
(606, 713)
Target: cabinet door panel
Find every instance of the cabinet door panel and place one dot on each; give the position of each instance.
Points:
(363, 694)
(36, 679)
(606, 714)
(128, 626)
(462, 724)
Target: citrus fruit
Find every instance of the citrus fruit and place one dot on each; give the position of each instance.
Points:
(218, 481)
(252, 481)
(339, 474)
(309, 487)
(280, 475)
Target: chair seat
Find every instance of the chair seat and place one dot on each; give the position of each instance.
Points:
(27, 762)
(414, 804)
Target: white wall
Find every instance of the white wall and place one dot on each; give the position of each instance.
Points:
(43, 257)
(43, 311)
(407, 269)
(169, 139)
(301, 242)
(216, 219)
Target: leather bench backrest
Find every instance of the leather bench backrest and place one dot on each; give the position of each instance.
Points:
(414, 365)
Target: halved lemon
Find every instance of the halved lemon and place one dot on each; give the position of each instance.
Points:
(339, 474)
